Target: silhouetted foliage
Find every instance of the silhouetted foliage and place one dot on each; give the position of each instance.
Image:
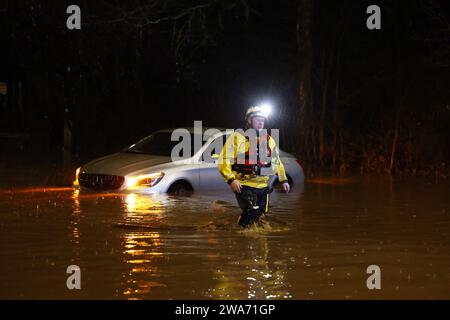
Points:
(375, 100)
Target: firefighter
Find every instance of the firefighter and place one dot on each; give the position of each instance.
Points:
(249, 162)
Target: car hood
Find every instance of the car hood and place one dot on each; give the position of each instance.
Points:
(122, 164)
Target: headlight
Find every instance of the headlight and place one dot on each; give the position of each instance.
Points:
(77, 173)
(145, 180)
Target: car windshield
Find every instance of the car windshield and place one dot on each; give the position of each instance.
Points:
(160, 144)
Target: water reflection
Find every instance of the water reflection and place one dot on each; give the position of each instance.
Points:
(159, 247)
(74, 223)
(143, 204)
(255, 274)
(142, 252)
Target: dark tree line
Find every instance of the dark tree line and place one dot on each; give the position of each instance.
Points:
(375, 100)
(347, 98)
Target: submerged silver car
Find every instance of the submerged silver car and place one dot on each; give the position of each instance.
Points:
(147, 167)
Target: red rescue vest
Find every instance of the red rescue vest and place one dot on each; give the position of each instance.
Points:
(253, 158)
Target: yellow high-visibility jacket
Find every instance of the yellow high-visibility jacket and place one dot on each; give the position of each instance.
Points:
(238, 144)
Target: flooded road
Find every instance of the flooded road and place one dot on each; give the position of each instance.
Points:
(316, 244)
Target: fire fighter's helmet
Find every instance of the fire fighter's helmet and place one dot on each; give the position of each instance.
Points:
(255, 111)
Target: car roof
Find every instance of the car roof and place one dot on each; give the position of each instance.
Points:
(223, 130)
(191, 130)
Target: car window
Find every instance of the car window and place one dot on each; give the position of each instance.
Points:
(215, 147)
(160, 144)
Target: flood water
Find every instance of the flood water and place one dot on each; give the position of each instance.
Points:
(316, 244)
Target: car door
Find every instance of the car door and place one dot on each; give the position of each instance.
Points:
(209, 176)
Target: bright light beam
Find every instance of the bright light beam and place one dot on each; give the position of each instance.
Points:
(266, 108)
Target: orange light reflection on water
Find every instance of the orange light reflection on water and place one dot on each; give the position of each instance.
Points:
(35, 190)
(142, 251)
(138, 204)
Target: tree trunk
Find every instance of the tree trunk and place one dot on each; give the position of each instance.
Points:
(305, 50)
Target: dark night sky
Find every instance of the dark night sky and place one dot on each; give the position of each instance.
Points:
(125, 81)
